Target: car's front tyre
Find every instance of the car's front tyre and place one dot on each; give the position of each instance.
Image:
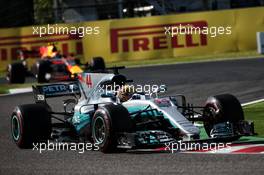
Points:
(107, 121)
(220, 109)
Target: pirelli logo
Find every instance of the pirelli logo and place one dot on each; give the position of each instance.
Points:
(152, 37)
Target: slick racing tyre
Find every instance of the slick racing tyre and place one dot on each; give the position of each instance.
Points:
(106, 122)
(222, 108)
(30, 123)
(97, 64)
(16, 73)
(42, 68)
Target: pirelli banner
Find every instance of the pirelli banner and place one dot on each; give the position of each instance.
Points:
(142, 38)
(169, 36)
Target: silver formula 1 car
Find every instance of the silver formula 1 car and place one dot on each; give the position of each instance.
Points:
(94, 113)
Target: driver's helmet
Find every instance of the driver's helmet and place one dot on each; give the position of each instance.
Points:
(48, 51)
(125, 93)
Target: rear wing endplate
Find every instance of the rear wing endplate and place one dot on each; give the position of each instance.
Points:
(41, 92)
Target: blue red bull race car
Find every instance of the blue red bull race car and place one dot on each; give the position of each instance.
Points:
(51, 66)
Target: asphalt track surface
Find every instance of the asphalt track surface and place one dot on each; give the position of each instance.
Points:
(243, 78)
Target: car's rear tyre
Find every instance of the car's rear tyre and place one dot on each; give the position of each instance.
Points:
(30, 123)
(43, 68)
(222, 108)
(97, 64)
(106, 122)
(16, 73)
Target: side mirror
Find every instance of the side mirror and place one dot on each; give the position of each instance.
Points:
(109, 95)
(106, 95)
(69, 105)
(179, 101)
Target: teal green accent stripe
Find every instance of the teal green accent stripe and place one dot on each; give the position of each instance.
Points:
(80, 120)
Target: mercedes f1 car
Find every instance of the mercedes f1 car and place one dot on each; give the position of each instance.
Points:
(51, 66)
(93, 113)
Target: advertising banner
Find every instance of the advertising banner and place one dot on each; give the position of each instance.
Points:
(141, 38)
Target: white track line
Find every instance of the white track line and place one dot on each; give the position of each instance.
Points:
(253, 102)
(20, 90)
(194, 62)
(17, 91)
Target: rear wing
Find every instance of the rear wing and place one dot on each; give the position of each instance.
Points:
(41, 92)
